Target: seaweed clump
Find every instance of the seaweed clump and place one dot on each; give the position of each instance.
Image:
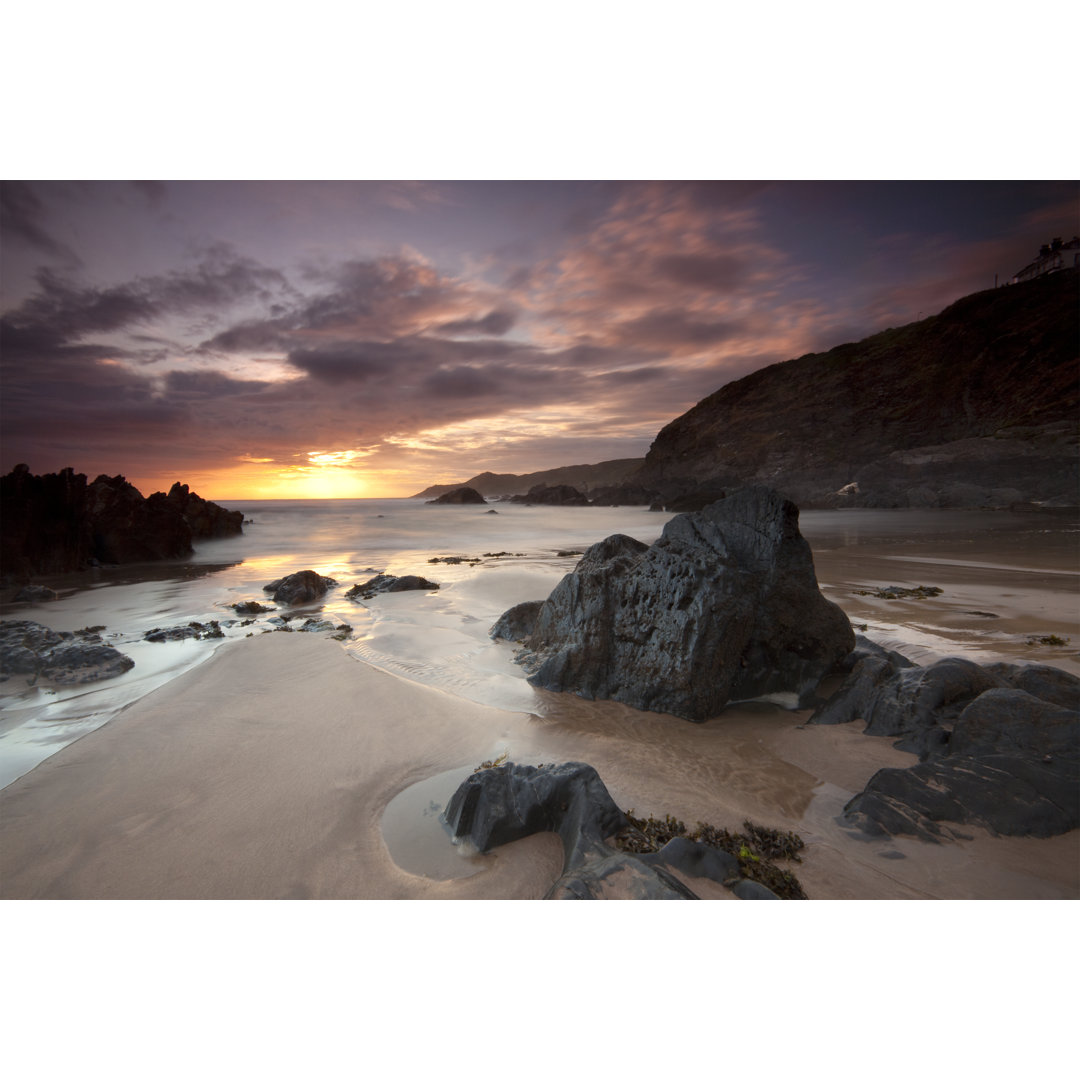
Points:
(755, 848)
(898, 592)
(1048, 639)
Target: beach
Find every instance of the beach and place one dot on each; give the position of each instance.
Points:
(291, 765)
(265, 773)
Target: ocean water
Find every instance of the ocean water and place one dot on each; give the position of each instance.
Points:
(1005, 578)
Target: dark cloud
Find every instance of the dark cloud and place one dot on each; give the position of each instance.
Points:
(719, 272)
(462, 382)
(497, 322)
(210, 384)
(22, 216)
(358, 361)
(673, 329)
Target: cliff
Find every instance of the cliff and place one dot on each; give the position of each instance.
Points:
(975, 406)
(582, 477)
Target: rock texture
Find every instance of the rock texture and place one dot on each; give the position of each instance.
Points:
(58, 523)
(303, 587)
(28, 648)
(458, 497)
(974, 406)
(724, 606)
(999, 746)
(498, 805)
(383, 583)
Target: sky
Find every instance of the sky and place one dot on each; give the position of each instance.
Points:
(275, 339)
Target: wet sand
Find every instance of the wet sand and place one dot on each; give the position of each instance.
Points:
(265, 772)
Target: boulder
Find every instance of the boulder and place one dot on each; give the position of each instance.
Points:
(497, 805)
(462, 496)
(300, 588)
(28, 648)
(518, 622)
(34, 594)
(725, 606)
(384, 583)
(250, 607)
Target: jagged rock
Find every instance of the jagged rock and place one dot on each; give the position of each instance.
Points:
(517, 623)
(388, 583)
(552, 495)
(197, 630)
(992, 754)
(300, 588)
(250, 607)
(28, 648)
(458, 497)
(508, 802)
(57, 523)
(724, 606)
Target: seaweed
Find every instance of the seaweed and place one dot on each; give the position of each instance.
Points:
(755, 848)
(899, 592)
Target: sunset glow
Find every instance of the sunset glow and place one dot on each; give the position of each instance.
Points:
(383, 337)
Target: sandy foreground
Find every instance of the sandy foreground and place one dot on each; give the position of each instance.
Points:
(264, 773)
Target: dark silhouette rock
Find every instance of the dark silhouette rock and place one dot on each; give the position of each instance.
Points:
(196, 630)
(58, 523)
(28, 648)
(303, 587)
(723, 607)
(458, 497)
(387, 583)
(250, 607)
(552, 495)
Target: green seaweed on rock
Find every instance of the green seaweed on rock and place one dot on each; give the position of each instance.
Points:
(754, 848)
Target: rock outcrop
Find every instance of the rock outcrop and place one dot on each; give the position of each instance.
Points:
(384, 583)
(725, 606)
(998, 746)
(57, 523)
(553, 495)
(500, 804)
(30, 649)
(975, 406)
(462, 496)
(303, 587)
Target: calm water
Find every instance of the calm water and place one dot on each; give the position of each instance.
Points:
(1005, 575)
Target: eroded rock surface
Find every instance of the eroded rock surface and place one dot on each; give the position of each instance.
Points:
(384, 583)
(999, 746)
(725, 606)
(300, 588)
(28, 648)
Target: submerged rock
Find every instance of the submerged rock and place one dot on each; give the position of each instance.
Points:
(28, 648)
(300, 588)
(383, 583)
(725, 606)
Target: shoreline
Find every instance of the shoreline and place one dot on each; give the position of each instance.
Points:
(264, 773)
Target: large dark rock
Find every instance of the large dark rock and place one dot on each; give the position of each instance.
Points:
(992, 753)
(57, 523)
(517, 623)
(28, 648)
(723, 607)
(498, 805)
(458, 497)
(303, 587)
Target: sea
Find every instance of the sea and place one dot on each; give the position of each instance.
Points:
(1010, 586)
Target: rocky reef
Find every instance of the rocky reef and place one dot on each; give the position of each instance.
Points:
(30, 649)
(388, 583)
(552, 495)
(725, 606)
(998, 745)
(57, 523)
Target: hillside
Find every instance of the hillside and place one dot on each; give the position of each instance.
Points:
(582, 477)
(975, 406)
